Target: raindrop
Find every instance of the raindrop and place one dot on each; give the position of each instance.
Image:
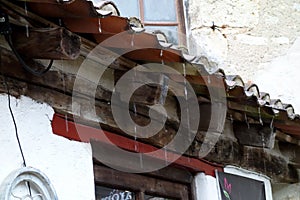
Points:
(231, 118)
(67, 124)
(132, 39)
(135, 128)
(184, 69)
(165, 155)
(99, 25)
(59, 22)
(161, 53)
(27, 30)
(141, 160)
(271, 124)
(164, 90)
(25, 8)
(247, 122)
(259, 115)
(208, 80)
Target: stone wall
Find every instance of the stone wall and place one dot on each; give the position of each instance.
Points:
(254, 38)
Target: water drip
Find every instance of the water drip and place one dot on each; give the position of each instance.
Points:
(67, 124)
(132, 40)
(208, 80)
(246, 120)
(59, 22)
(27, 30)
(184, 69)
(187, 105)
(271, 124)
(164, 90)
(135, 128)
(99, 25)
(259, 115)
(25, 8)
(141, 160)
(165, 155)
(231, 118)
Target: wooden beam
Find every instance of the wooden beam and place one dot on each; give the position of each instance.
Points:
(261, 160)
(254, 134)
(46, 43)
(136, 182)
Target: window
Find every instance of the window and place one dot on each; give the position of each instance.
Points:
(163, 15)
(111, 184)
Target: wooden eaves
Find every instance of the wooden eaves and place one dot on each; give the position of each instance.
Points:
(56, 87)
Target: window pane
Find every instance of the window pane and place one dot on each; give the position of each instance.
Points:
(160, 10)
(128, 8)
(105, 193)
(170, 31)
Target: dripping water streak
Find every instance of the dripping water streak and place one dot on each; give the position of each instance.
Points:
(141, 160)
(165, 155)
(247, 122)
(59, 22)
(67, 124)
(132, 40)
(135, 128)
(208, 79)
(27, 30)
(259, 115)
(99, 25)
(231, 118)
(161, 55)
(271, 124)
(25, 8)
(26, 13)
(187, 105)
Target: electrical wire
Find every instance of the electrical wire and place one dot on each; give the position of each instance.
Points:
(14, 122)
(21, 60)
(16, 129)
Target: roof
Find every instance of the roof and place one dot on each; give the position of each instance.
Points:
(245, 102)
(82, 16)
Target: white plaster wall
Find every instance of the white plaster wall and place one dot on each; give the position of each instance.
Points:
(67, 164)
(257, 40)
(205, 187)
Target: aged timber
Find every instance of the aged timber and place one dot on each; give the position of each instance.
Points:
(46, 43)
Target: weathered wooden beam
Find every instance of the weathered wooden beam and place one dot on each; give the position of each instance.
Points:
(261, 160)
(291, 152)
(269, 163)
(137, 182)
(46, 43)
(255, 135)
(225, 151)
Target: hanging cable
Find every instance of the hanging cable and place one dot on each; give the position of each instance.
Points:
(14, 121)
(6, 30)
(21, 60)
(16, 128)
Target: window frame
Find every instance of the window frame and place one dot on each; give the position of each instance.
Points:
(141, 184)
(180, 23)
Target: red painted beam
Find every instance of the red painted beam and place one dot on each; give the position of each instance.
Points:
(66, 128)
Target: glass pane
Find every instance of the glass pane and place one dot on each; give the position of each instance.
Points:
(171, 32)
(162, 10)
(105, 193)
(128, 8)
(149, 197)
